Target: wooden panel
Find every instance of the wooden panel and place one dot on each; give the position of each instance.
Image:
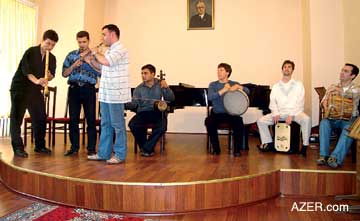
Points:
(317, 183)
(142, 198)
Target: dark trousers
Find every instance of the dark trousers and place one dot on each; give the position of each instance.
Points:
(85, 96)
(34, 102)
(236, 123)
(138, 128)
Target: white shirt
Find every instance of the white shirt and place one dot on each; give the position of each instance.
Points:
(287, 98)
(114, 82)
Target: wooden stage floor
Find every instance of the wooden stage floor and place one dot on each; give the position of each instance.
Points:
(184, 176)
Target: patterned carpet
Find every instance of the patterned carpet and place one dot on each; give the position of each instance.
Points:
(46, 212)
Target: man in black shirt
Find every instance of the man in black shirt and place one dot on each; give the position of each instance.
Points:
(25, 93)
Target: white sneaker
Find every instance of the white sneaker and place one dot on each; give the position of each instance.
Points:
(94, 157)
(114, 160)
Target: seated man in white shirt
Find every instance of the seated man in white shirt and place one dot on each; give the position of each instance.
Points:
(286, 104)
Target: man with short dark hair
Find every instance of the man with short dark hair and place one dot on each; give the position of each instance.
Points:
(114, 92)
(217, 90)
(346, 89)
(25, 93)
(287, 100)
(144, 96)
(82, 78)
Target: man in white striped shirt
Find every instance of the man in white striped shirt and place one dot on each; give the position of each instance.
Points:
(114, 91)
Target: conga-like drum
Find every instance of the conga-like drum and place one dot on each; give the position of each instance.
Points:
(236, 102)
(287, 137)
(354, 129)
(339, 107)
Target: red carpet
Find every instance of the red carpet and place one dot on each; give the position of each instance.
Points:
(46, 212)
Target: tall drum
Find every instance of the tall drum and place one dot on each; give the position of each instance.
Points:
(287, 137)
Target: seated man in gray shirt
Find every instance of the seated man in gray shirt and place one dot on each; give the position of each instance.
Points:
(217, 90)
(144, 97)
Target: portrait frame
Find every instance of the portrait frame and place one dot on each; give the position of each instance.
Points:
(204, 22)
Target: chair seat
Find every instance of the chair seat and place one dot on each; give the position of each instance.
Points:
(62, 120)
(224, 126)
(49, 119)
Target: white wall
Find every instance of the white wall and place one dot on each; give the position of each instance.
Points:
(327, 46)
(66, 18)
(253, 36)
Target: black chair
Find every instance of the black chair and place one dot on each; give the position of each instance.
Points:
(222, 126)
(162, 139)
(132, 107)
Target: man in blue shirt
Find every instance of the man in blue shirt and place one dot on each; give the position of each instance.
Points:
(144, 97)
(217, 90)
(82, 78)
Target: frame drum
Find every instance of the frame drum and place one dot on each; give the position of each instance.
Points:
(236, 102)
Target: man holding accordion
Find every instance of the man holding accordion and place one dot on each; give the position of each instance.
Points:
(341, 109)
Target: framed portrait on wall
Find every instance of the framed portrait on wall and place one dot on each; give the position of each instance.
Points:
(200, 14)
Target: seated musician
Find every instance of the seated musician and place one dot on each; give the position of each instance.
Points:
(144, 97)
(217, 90)
(286, 104)
(348, 89)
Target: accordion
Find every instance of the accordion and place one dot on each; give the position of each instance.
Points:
(339, 107)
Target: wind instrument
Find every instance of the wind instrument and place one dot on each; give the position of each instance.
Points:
(46, 76)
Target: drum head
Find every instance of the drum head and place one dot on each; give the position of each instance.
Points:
(236, 102)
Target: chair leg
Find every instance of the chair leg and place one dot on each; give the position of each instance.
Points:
(49, 133)
(230, 141)
(208, 144)
(53, 134)
(162, 144)
(25, 134)
(135, 146)
(32, 134)
(83, 135)
(65, 133)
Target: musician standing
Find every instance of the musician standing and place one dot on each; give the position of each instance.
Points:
(217, 90)
(82, 78)
(25, 92)
(286, 104)
(346, 88)
(114, 92)
(144, 97)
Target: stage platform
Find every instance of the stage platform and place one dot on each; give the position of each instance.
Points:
(182, 179)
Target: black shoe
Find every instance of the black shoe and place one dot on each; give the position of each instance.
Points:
(43, 150)
(237, 154)
(146, 154)
(216, 152)
(90, 153)
(21, 153)
(266, 147)
(303, 150)
(70, 152)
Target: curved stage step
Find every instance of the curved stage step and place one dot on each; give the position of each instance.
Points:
(175, 182)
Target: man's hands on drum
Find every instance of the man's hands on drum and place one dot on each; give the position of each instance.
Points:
(276, 119)
(236, 87)
(288, 120)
